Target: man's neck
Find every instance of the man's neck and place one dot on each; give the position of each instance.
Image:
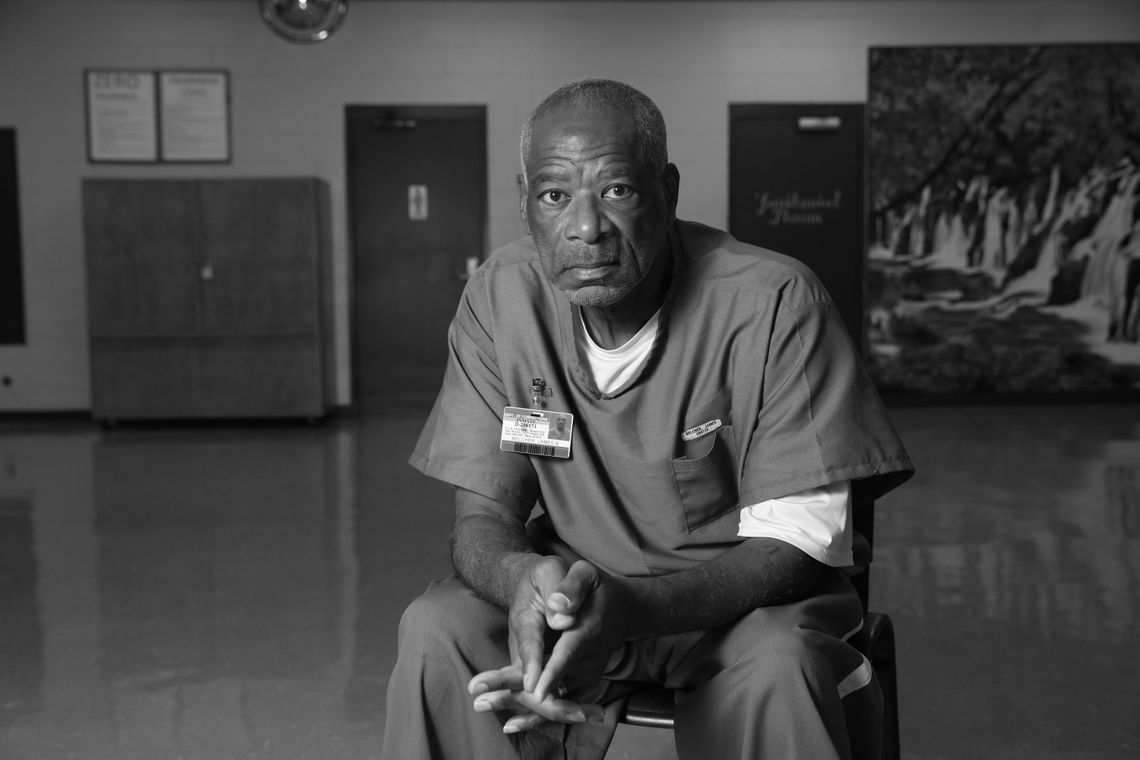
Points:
(612, 326)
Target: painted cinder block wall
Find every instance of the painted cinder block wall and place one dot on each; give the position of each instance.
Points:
(287, 112)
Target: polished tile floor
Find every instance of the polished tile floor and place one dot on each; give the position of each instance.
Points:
(206, 593)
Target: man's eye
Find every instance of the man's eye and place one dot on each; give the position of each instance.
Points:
(552, 196)
(617, 192)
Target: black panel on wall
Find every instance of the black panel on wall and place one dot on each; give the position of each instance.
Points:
(11, 274)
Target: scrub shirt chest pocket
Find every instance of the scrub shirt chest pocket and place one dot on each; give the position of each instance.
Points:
(705, 474)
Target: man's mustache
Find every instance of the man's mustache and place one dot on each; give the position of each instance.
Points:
(588, 256)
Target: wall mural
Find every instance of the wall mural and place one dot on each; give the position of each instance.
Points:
(1004, 192)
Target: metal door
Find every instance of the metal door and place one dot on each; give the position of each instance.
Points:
(11, 266)
(796, 186)
(417, 198)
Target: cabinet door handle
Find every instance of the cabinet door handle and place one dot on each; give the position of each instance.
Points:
(208, 271)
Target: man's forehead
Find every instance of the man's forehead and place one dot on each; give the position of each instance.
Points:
(587, 111)
(583, 128)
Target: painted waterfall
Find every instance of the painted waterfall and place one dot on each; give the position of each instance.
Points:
(1004, 194)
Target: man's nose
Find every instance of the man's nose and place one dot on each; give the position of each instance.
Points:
(586, 220)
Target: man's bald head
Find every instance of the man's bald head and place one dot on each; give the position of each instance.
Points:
(606, 94)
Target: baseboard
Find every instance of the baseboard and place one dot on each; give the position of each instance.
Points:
(41, 415)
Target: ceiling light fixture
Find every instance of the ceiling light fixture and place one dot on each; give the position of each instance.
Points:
(303, 21)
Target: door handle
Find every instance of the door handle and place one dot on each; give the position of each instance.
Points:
(471, 264)
(818, 123)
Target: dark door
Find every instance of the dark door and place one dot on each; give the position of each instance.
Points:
(417, 197)
(11, 273)
(796, 186)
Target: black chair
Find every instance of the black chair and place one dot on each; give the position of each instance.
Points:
(652, 706)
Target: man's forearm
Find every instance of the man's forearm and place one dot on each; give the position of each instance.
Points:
(758, 572)
(489, 550)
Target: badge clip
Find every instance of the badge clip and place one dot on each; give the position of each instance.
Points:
(538, 393)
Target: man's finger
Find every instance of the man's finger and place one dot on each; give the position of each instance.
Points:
(523, 723)
(530, 711)
(560, 621)
(509, 678)
(561, 656)
(494, 701)
(558, 710)
(530, 648)
(570, 594)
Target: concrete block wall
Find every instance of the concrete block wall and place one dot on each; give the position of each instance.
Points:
(287, 110)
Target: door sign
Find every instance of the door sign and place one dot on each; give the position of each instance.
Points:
(809, 208)
(417, 202)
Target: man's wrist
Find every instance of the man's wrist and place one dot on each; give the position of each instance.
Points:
(515, 567)
(637, 598)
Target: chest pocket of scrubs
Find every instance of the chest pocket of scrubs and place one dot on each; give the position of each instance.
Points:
(705, 477)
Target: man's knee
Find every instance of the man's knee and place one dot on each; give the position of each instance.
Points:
(773, 694)
(449, 619)
(427, 617)
(775, 652)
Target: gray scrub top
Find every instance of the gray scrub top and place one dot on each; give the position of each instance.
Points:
(747, 337)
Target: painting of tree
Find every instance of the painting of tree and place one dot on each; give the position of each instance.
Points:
(1004, 196)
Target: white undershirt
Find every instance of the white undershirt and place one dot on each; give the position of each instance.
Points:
(614, 368)
(816, 521)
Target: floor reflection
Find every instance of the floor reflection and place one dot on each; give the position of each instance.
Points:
(1011, 566)
(1032, 527)
(204, 592)
(403, 521)
(226, 592)
(21, 653)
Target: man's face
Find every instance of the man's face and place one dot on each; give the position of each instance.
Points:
(597, 212)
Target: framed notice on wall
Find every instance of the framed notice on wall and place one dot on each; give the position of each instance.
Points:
(121, 116)
(140, 116)
(194, 116)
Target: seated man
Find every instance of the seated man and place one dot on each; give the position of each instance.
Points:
(685, 524)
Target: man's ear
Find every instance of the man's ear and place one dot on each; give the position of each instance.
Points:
(671, 181)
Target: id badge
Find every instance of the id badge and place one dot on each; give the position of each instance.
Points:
(537, 431)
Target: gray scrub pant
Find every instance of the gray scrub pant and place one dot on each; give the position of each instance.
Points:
(766, 686)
